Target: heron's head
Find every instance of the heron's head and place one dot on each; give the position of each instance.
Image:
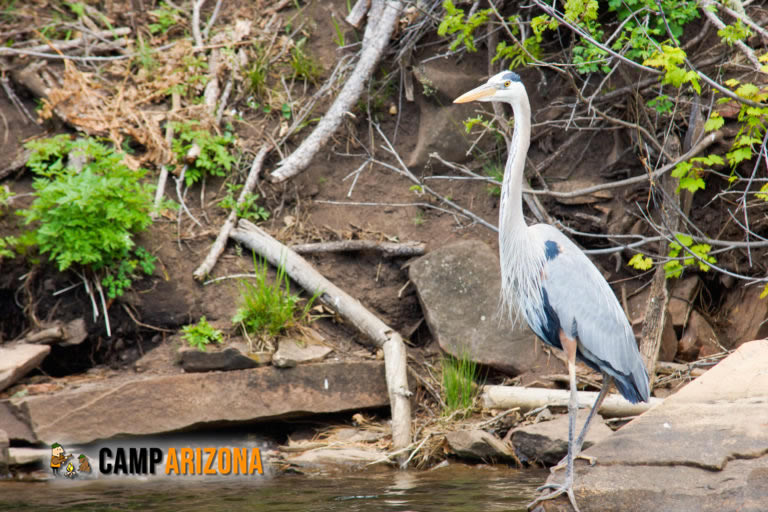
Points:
(506, 86)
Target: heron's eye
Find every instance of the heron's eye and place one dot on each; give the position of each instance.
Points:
(507, 83)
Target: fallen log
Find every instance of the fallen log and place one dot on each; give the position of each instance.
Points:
(389, 249)
(508, 397)
(382, 18)
(351, 310)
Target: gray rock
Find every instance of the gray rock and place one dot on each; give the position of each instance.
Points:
(5, 443)
(17, 360)
(441, 131)
(705, 448)
(146, 405)
(479, 445)
(682, 292)
(229, 357)
(547, 441)
(438, 83)
(76, 332)
(291, 353)
(458, 286)
(746, 314)
(699, 340)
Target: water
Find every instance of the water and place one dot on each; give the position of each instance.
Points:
(456, 488)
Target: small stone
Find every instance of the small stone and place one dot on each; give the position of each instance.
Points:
(227, 358)
(479, 445)
(547, 441)
(290, 353)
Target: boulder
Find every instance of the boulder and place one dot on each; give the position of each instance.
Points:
(17, 360)
(705, 448)
(458, 286)
(699, 339)
(147, 405)
(291, 353)
(479, 445)
(547, 441)
(441, 127)
(745, 317)
(682, 293)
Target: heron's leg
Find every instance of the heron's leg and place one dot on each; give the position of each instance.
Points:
(569, 344)
(580, 440)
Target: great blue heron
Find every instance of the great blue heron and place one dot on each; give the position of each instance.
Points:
(550, 282)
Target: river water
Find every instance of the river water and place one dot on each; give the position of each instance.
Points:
(456, 488)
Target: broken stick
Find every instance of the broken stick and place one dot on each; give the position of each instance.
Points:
(221, 240)
(382, 19)
(508, 397)
(371, 326)
(390, 249)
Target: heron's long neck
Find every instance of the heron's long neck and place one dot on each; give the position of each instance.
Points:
(520, 255)
(511, 219)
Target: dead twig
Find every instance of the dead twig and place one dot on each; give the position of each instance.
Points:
(221, 240)
(389, 249)
(382, 18)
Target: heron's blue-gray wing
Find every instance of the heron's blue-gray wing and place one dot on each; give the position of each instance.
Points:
(587, 309)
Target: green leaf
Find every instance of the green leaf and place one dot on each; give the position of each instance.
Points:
(640, 262)
(715, 122)
(683, 239)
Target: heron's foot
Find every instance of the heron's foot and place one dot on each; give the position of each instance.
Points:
(557, 490)
(564, 462)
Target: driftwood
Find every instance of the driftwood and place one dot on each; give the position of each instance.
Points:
(382, 19)
(358, 12)
(389, 249)
(508, 397)
(383, 336)
(221, 240)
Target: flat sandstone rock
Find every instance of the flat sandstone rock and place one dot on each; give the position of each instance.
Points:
(167, 403)
(704, 448)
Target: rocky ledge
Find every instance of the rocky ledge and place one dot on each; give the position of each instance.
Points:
(704, 448)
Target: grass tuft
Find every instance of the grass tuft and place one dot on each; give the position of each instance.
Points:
(268, 309)
(459, 388)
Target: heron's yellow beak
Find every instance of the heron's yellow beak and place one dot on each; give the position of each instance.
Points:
(484, 91)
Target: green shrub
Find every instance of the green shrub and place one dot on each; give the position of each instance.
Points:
(201, 334)
(215, 158)
(86, 215)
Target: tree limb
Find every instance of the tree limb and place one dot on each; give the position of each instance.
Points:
(382, 19)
